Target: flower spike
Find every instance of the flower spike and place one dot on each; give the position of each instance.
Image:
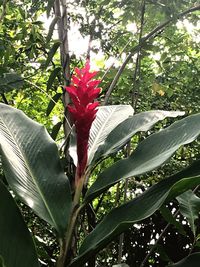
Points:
(83, 91)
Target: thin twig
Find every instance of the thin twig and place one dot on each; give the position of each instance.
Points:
(144, 39)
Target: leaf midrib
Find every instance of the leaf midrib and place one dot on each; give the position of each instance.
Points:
(31, 175)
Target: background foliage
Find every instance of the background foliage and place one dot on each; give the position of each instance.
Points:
(161, 74)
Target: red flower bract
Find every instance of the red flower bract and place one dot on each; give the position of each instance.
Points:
(83, 92)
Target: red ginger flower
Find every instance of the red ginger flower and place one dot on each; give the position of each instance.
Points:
(83, 92)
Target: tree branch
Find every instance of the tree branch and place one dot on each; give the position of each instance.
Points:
(3, 10)
(144, 40)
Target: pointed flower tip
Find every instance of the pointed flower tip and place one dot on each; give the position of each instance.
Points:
(83, 91)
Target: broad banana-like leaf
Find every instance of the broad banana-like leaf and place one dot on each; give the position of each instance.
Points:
(16, 244)
(192, 260)
(32, 167)
(189, 207)
(149, 154)
(120, 135)
(107, 118)
(141, 207)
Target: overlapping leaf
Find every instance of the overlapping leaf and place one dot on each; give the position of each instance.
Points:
(16, 245)
(143, 206)
(189, 207)
(190, 261)
(107, 118)
(149, 154)
(32, 167)
(121, 134)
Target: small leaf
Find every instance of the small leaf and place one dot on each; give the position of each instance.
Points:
(55, 130)
(52, 77)
(51, 29)
(190, 261)
(167, 215)
(189, 207)
(51, 53)
(50, 5)
(16, 245)
(52, 103)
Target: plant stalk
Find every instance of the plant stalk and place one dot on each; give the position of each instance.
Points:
(65, 243)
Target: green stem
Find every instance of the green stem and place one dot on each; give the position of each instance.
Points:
(66, 241)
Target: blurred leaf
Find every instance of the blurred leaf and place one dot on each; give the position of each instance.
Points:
(55, 130)
(190, 261)
(149, 154)
(32, 167)
(16, 245)
(51, 53)
(189, 207)
(10, 81)
(141, 207)
(52, 77)
(121, 265)
(162, 253)
(168, 216)
(52, 103)
(50, 4)
(51, 29)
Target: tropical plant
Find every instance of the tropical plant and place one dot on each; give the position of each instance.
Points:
(34, 173)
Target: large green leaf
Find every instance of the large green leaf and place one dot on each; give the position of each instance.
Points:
(192, 260)
(32, 167)
(189, 207)
(149, 154)
(143, 206)
(108, 117)
(121, 134)
(16, 245)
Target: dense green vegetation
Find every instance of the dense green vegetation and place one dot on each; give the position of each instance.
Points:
(154, 50)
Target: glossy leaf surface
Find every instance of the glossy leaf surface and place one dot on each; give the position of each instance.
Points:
(16, 245)
(149, 154)
(32, 167)
(143, 206)
(107, 118)
(189, 207)
(120, 135)
(192, 260)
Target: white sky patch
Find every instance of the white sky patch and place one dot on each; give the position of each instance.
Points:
(55, 119)
(190, 28)
(132, 27)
